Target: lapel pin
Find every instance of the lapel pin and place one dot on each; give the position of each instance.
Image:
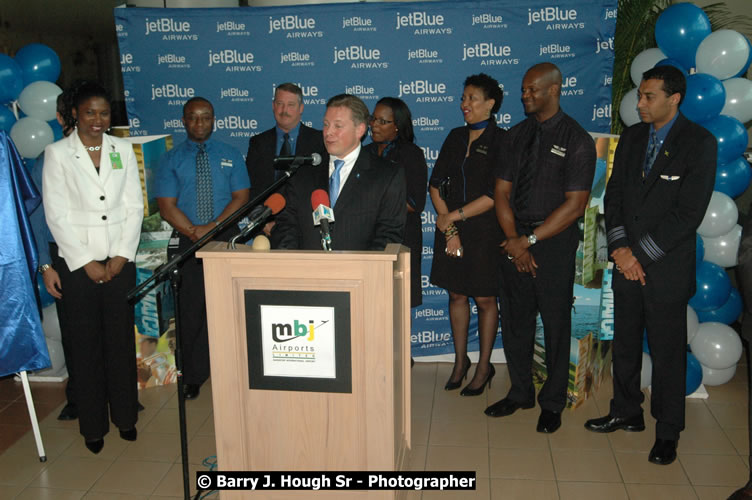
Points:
(666, 153)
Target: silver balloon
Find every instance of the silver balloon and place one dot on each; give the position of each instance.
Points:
(723, 54)
(720, 216)
(738, 99)
(644, 61)
(39, 100)
(693, 324)
(31, 136)
(717, 377)
(724, 249)
(628, 108)
(716, 346)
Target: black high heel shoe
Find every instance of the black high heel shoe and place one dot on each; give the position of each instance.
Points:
(467, 391)
(455, 384)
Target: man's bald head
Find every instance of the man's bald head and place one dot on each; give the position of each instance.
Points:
(541, 89)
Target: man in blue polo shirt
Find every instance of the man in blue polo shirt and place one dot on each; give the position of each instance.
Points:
(199, 183)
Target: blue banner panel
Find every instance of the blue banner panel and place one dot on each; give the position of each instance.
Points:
(420, 52)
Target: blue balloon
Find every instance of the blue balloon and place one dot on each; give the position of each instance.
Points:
(57, 130)
(731, 136)
(44, 295)
(743, 72)
(733, 178)
(713, 287)
(7, 119)
(727, 313)
(38, 62)
(699, 251)
(11, 79)
(674, 63)
(679, 30)
(694, 374)
(704, 99)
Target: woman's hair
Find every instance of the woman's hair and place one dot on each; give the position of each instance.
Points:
(76, 95)
(490, 88)
(403, 120)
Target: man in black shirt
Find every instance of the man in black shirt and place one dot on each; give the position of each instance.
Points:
(540, 193)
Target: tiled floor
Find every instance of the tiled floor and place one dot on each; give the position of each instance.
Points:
(449, 432)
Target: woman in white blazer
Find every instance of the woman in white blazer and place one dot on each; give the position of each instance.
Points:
(94, 207)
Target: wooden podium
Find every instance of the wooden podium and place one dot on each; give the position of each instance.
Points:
(355, 418)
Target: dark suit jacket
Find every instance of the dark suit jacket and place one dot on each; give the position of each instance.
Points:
(262, 149)
(658, 217)
(370, 209)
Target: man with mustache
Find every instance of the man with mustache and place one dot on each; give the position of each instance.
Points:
(287, 138)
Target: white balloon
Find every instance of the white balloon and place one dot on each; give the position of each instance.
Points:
(738, 99)
(716, 345)
(717, 377)
(644, 61)
(39, 100)
(720, 216)
(723, 54)
(693, 324)
(628, 108)
(31, 135)
(646, 374)
(724, 249)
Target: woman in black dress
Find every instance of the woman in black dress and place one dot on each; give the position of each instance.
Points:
(393, 139)
(466, 244)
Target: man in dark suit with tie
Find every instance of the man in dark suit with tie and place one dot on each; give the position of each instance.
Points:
(367, 193)
(663, 176)
(288, 137)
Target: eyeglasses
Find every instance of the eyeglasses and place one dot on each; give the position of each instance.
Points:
(380, 121)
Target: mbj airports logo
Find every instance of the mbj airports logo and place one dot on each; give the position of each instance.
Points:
(555, 18)
(359, 57)
(423, 23)
(295, 26)
(488, 21)
(357, 23)
(233, 60)
(231, 28)
(170, 29)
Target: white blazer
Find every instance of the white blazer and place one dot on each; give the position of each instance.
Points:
(92, 216)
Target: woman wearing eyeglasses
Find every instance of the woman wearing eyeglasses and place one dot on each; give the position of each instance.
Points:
(393, 139)
(466, 244)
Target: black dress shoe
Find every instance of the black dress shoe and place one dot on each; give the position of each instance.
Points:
(94, 446)
(506, 407)
(611, 424)
(190, 391)
(69, 412)
(663, 452)
(549, 421)
(129, 434)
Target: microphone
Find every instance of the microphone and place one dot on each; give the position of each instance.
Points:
(261, 242)
(314, 159)
(272, 206)
(322, 216)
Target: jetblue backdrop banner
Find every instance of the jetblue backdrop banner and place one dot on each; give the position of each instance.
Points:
(420, 52)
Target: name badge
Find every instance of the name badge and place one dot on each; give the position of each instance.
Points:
(115, 160)
(559, 151)
(225, 163)
(482, 149)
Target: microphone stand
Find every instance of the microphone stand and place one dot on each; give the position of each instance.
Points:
(171, 271)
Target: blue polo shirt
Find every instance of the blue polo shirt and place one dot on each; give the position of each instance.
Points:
(176, 176)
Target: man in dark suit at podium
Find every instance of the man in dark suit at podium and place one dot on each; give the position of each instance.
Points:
(289, 137)
(367, 194)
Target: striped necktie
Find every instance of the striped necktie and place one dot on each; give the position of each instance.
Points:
(334, 181)
(653, 147)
